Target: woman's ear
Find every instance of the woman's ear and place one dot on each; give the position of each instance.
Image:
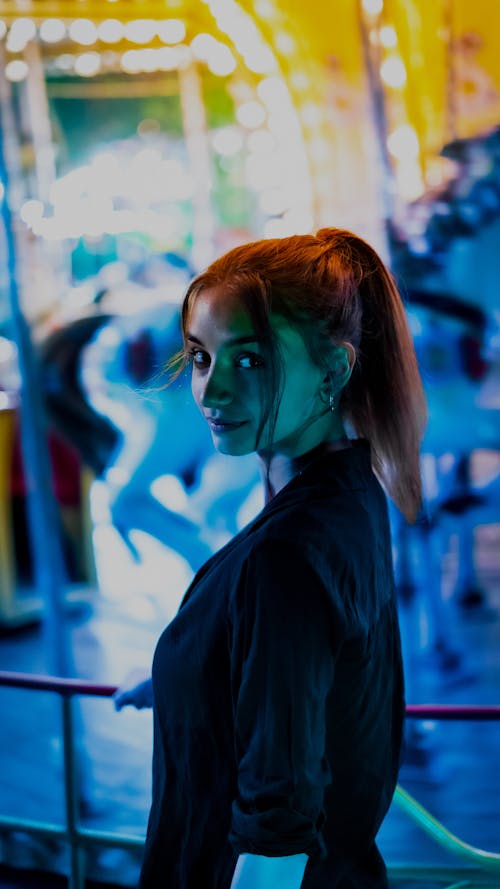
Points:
(341, 363)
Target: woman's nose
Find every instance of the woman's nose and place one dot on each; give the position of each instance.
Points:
(217, 390)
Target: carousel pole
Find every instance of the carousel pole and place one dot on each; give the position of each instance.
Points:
(198, 149)
(45, 540)
(386, 181)
(451, 68)
(53, 261)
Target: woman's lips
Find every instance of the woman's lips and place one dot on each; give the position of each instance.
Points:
(224, 425)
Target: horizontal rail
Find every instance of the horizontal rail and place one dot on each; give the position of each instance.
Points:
(80, 837)
(476, 713)
(84, 835)
(58, 684)
(448, 712)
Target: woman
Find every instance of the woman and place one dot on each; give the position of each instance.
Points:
(278, 688)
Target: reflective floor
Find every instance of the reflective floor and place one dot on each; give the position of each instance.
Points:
(451, 768)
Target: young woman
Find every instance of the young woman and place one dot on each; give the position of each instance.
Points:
(278, 687)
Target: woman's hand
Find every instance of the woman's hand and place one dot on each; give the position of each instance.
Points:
(261, 872)
(135, 693)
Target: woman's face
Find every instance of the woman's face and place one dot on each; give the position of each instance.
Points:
(229, 368)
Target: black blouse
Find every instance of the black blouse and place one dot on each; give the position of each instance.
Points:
(278, 692)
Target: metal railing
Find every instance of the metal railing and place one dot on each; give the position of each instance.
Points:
(480, 868)
(77, 837)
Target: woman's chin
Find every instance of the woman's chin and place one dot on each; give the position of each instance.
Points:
(231, 448)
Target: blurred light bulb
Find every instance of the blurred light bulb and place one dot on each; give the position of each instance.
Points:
(88, 64)
(393, 72)
(3, 29)
(264, 9)
(149, 61)
(140, 30)
(299, 80)
(388, 37)
(131, 61)
(111, 31)
(202, 45)
(403, 142)
(52, 30)
(65, 62)
(228, 141)
(221, 62)
(311, 114)
(274, 92)
(83, 31)
(171, 31)
(168, 58)
(21, 32)
(373, 7)
(251, 114)
(260, 60)
(285, 43)
(16, 70)
(31, 212)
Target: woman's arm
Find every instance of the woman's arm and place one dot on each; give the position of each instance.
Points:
(261, 872)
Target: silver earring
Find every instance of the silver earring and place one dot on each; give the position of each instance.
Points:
(331, 401)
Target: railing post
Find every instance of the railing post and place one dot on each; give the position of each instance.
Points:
(72, 796)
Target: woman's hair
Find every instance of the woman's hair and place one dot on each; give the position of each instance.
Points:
(335, 288)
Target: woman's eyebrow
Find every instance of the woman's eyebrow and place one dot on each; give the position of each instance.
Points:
(236, 341)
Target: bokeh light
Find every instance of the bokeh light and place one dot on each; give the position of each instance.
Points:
(171, 31)
(65, 62)
(111, 31)
(403, 142)
(87, 64)
(393, 72)
(52, 30)
(83, 31)
(251, 114)
(16, 70)
(227, 141)
(21, 32)
(388, 37)
(285, 43)
(140, 30)
(373, 7)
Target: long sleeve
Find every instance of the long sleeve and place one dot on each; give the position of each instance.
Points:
(283, 641)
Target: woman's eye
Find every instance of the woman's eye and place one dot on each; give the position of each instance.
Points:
(199, 358)
(249, 360)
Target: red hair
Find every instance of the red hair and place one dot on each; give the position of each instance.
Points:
(335, 288)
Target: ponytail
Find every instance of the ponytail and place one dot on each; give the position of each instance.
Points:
(384, 399)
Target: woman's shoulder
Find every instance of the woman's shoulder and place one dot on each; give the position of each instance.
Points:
(322, 514)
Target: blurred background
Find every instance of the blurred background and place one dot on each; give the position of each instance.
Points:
(139, 139)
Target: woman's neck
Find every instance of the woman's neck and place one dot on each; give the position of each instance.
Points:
(281, 468)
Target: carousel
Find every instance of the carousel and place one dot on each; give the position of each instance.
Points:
(141, 138)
